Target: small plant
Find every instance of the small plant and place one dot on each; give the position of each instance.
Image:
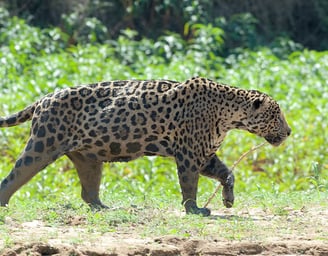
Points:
(316, 179)
(8, 241)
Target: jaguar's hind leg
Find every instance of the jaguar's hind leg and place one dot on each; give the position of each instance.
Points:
(89, 172)
(32, 160)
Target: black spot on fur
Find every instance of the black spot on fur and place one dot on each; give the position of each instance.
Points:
(87, 141)
(91, 156)
(44, 117)
(37, 110)
(102, 92)
(134, 104)
(152, 148)
(62, 128)
(138, 119)
(148, 85)
(60, 136)
(39, 147)
(123, 133)
(105, 84)
(28, 160)
(171, 126)
(187, 163)
(55, 104)
(24, 118)
(46, 103)
(153, 115)
(185, 179)
(91, 100)
(115, 128)
(133, 147)
(99, 143)
(181, 169)
(257, 103)
(145, 100)
(73, 92)
(11, 120)
(102, 152)
(151, 138)
(121, 159)
(53, 111)
(169, 151)
(105, 103)
(83, 91)
(29, 145)
(92, 133)
(76, 103)
(120, 102)
(179, 156)
(137, 136)
(11, 176)
(164, 143)
(163, 86)
(119, 83)
(18, 163)
(105, 138)
(50, 141)
(115, 148)
(238, 124)
(194, 168)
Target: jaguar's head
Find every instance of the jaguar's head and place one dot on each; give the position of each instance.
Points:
(265, 119)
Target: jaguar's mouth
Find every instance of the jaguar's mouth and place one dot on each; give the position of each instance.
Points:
(274, 140)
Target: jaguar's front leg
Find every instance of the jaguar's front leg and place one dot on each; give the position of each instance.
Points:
(188, 178)
(215, 169)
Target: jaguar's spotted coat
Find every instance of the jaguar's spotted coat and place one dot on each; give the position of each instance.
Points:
(123, 120)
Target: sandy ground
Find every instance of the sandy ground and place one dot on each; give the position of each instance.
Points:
(308, 237)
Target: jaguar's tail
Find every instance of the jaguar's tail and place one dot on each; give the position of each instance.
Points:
(20, 117)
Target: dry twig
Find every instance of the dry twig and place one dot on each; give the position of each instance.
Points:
(232, 168)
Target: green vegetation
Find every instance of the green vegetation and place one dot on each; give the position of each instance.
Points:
(37, 61)
(246, 23)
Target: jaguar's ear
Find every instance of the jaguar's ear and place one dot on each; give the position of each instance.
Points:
(257, 103)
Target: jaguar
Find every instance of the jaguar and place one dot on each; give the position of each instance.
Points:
(126, 119)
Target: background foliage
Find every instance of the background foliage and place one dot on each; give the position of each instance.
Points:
(246, 22)
(243, 43)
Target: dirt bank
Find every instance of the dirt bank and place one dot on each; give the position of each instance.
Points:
(306, 235)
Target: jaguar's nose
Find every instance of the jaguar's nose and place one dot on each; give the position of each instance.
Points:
(289, 131)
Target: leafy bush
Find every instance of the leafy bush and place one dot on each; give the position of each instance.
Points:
(240, 31)
(151, 18)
